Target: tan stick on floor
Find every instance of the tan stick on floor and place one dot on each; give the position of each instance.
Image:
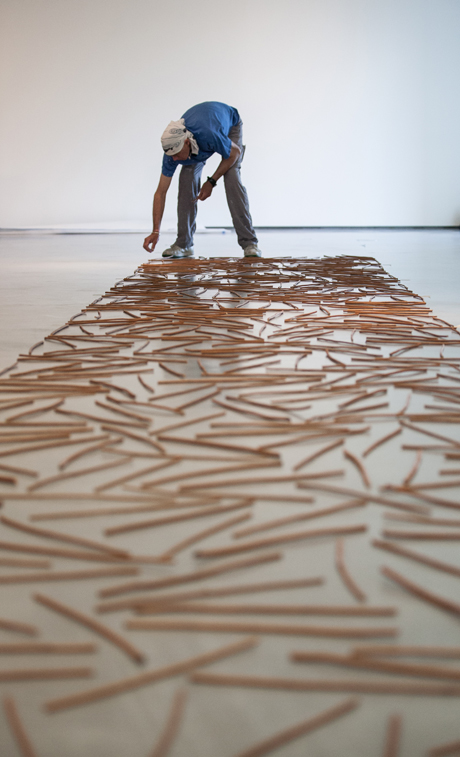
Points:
(147, 601)
(198, 575)
(93, 625)
(347, 686)
(421, 593)
(296, 731)
(151, 676)
(17, 627)
(342, 570)
(283, 629)
(393, 736)
(172, 725)
(444, 750)
(17, 728)
(281, 539)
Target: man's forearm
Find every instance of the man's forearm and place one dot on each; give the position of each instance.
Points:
(159, 201)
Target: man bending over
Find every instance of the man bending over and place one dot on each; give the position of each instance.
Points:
(203, 130)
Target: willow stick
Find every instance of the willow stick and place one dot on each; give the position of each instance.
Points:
(375, 664)
(166, 520)
(80, 541)
(380, 441)
(48, 647)
(172, 724)
(19, 471)
(420, 592)
(180, 546)
(107, 439)
(281, 539)
(151, 676)
(44, 674)
(278, 609)
(317, 454)
(136, 474)
(147, 601)
(75, 474)
(298, 518)
(424, 559)
(17, 728)
(63, 442)
(36, 411)
(15, 626)
(14, 562)
(391, 533)
(358, 464)
(197, 575)
(344, 574)
(94, 625)
(393, 736)
(446, 749)
(283, 629)
(68, 575)
(399, 687)
(136, 437)
(301, 729)
(160, 504)
(397, 650)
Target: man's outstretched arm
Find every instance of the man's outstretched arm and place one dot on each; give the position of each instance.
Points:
(224, 165)
(159, 199)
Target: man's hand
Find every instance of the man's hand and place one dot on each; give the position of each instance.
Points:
(150, 242)
(205, 191)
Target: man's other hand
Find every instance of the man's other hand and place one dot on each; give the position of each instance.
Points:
(151, 241)
(205, 191)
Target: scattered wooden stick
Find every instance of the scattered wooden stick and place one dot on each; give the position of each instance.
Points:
(17, 627)
(17, 728)
(399, 687)
(413, 471)
(420, 592)
(357, 462)
(443, 750)
(74, 474)
(425, 560)
(44, 532)
(14, 562)
(377, 665)
(68, 575)
(297, 518)
(283, 629)
(151, 676)
(198, 575)
(317, 454)
(172, 724)
(278, 609)
(384, 439)
(396, 650)
(44, 674)
(301, 729)
(281, 539)
(93, 625)
(146, 601)
(184, 543)
(48, 647)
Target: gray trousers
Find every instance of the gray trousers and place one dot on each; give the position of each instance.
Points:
(237, 198)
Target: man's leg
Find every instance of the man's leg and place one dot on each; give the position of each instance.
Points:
(189, 187)
(237, 197)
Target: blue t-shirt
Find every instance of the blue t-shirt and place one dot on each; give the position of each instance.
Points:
(210, 124)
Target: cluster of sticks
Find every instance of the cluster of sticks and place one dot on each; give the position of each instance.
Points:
(199, 378)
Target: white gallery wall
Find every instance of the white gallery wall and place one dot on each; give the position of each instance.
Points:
(350, 107)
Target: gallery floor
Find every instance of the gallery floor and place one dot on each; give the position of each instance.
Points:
(48, 279)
